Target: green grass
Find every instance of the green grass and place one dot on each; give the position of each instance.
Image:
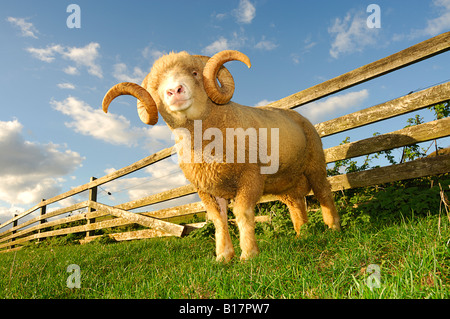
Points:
(412, 252)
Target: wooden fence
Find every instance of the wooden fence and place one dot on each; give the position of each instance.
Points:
(100, 216)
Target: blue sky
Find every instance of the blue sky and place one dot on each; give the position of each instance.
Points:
(53, 135)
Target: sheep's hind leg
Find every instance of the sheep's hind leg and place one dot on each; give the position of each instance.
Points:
(295, 200)
(322, 190)
(217, 212)
(329, 212)
(297, 210)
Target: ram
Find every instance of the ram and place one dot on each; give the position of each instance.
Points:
(193, 95)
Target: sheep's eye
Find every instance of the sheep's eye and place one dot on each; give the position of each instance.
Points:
(195, 73)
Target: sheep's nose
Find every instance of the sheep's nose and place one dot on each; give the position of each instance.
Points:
(176, 91)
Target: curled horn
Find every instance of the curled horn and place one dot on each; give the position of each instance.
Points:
(146, 106)
(221, 94)
(223, 75)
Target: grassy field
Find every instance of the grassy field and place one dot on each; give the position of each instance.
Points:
(412, 253)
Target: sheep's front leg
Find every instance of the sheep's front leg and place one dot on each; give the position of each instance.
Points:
(244, 206)
(246, 222)
(217, 212)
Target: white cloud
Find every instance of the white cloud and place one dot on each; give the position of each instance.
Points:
(8, 213)
(266, 45)
(47, 54)
(217, 46)
(31, 171)
(66, 85)
(27, 28)
(318, 111)
(151, 53)
(111, 128)
(263, 102)
(296, 58)
(122, 74)
(438, 24)
(220, 16)
(245, 12)
(84, 56)
(351, 35)
(309, 44)
(223, 43)
(71, 70)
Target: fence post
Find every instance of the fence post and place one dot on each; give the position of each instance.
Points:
(92, 197)
(42, 221)
(14, 231)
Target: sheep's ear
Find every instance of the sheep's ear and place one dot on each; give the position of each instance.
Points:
(146, 106)
(214, 70)
(204, 58)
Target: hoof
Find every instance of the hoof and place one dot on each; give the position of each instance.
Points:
(225, 257)
(250, 254)
(336, 226)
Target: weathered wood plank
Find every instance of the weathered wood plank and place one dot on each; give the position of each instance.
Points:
(140, 234)
(150, 233)
(414, 169)
(98, 225)
(46, 216)
(192, 227)
(174, 229)
(160, 197)
(64, 231)
(75, 229)
(17, 217)
(399, 106)
(407, 136)
(165, 214)
(131, 235)
(41, 226)
(186, 209)
(11, 249)
(116, 222)
(411, 55)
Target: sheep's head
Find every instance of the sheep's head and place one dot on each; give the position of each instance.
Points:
(179, 85)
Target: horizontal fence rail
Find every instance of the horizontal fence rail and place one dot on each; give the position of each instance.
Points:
(159, 223)
(403, 105)
(411, 55)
